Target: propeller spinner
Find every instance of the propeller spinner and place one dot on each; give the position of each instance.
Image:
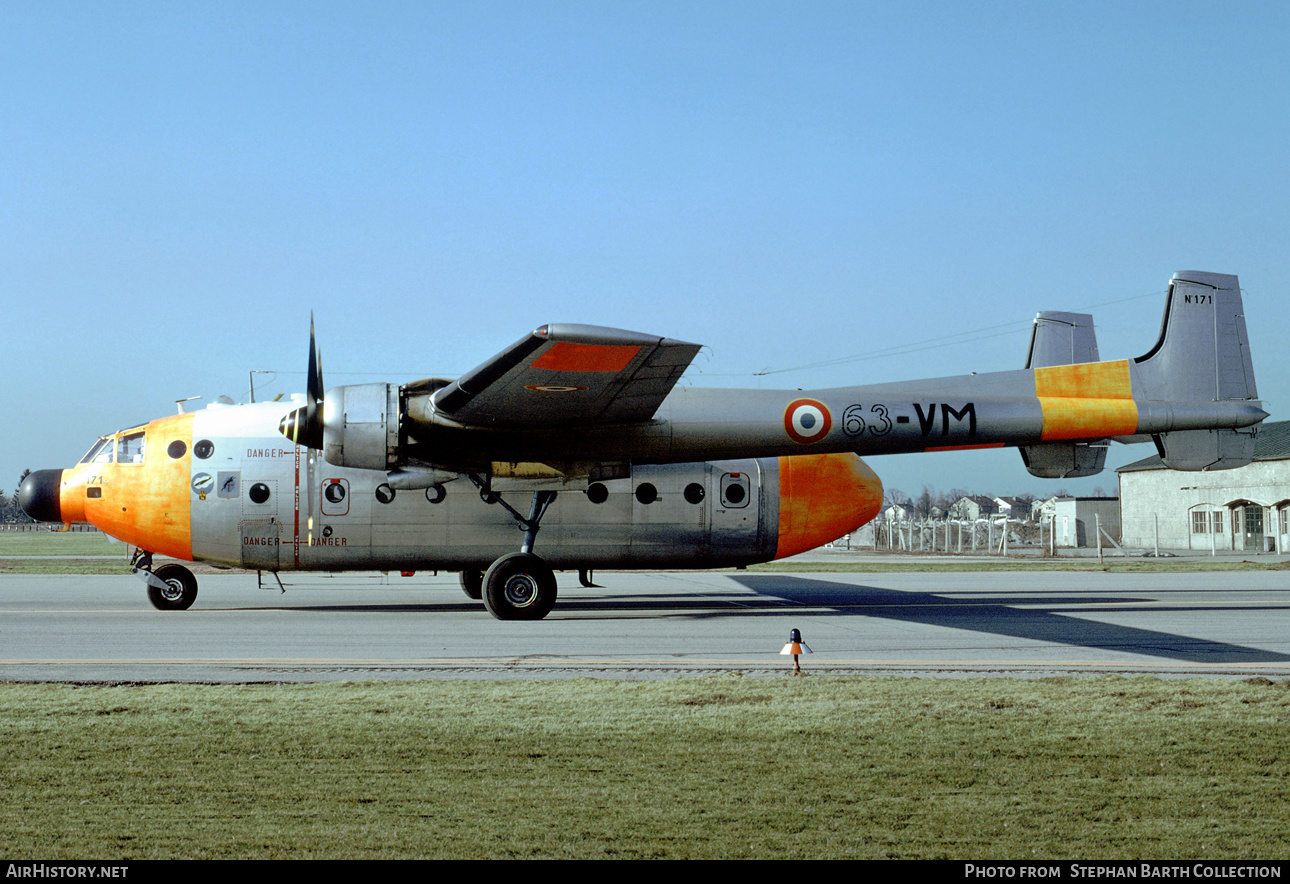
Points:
(304, 425)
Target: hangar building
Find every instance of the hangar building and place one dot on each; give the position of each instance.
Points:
(1246, 509)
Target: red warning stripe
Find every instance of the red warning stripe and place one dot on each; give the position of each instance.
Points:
(564, 356)
(966, 447)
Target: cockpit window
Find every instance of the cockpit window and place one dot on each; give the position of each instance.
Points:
(100, 452)
(129, 448)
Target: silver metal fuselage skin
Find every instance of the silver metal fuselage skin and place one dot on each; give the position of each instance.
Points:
(273, 505)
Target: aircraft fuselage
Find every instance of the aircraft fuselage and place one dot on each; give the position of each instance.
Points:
(223, 486)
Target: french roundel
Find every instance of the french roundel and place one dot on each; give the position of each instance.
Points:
(807, 421)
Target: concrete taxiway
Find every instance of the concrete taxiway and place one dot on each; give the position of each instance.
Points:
(651, 625)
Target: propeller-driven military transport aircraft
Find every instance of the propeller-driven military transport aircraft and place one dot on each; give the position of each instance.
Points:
(581, 432)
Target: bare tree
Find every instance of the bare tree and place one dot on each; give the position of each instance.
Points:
(9, 509)
(923, 506)
(949, 498)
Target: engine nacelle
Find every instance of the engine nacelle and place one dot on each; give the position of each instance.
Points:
(361, 426)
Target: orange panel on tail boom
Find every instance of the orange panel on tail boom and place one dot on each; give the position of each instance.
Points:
(1087, 399)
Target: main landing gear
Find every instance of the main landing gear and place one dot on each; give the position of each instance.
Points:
(472, 583)
(520, 585)
(171, 587)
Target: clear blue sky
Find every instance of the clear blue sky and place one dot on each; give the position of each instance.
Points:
(787, 183)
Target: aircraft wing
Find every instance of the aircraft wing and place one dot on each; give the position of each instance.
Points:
(568, 375)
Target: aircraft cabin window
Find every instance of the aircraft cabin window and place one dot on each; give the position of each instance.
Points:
(129, 448)
(735, 489)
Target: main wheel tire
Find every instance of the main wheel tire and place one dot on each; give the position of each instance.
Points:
(180, 591)
(519, 586)
(472, 583)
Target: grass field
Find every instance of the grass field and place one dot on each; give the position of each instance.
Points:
(55, 552)
(59, 543)
(717, 767)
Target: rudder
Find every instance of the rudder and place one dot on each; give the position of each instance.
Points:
(1203, 353)
(1202, 356)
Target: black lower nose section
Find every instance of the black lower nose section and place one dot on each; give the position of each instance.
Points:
(38, 495)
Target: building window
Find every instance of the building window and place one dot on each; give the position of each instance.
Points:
(1201, 520)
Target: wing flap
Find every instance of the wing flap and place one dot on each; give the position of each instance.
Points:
(568, 375)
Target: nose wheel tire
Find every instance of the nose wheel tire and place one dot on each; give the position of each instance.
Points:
(180, 591)
(519, 586)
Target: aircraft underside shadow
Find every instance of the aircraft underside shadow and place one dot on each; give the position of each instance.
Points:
(1038, 621)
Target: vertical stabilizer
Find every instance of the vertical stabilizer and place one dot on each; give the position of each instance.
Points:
(1202, 357)
(1063, 339)
(1204, 352)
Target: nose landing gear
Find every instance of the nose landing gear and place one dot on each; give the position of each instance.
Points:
(171, 587)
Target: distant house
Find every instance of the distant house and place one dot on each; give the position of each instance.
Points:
(1045, 509)
(1013, 507)
(974, 506)
(899, 512)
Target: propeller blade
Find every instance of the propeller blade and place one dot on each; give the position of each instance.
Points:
(316, 389)
(304, 425)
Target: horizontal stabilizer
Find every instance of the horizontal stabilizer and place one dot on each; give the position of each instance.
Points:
(1206, 449)
(1064, 460)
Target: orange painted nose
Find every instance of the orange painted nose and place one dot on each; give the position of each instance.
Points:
(53, 496)
(823, 497)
